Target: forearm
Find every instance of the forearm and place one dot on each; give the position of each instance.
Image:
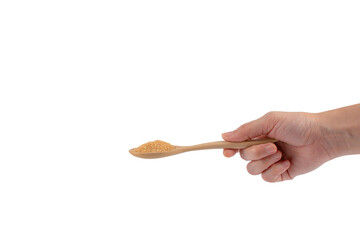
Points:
(341, 128)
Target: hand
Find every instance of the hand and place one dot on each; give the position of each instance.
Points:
(302, 146)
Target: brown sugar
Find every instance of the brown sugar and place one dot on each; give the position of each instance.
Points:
(155, 146)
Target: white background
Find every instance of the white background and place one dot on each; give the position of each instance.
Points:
(82, 82)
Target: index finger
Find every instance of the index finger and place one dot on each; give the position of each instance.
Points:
(257, 152)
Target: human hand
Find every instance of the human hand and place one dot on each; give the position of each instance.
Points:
(302, 146)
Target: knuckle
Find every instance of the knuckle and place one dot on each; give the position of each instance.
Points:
(253, 151)
(257, 151)
(243, 128)
(269, 114)
(240, 128)
(249, 153)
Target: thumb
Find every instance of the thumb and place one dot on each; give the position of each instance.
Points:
(250, 130)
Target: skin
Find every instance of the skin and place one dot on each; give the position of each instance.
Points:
(306, 141)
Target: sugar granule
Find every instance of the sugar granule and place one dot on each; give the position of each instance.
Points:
(155, 146)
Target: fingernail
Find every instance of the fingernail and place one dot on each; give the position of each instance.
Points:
(270, 149)
(227, 134)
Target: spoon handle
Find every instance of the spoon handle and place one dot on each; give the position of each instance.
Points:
(224, 144)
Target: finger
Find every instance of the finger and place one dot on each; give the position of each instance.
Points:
(228, 152)
(246, 131)
(257, 152)
(257, 167)
(273, 173)
(258, 127)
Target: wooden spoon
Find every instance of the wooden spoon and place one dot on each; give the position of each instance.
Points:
(210, 145)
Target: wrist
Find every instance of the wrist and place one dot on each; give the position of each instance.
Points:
(340, 130)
